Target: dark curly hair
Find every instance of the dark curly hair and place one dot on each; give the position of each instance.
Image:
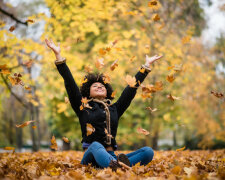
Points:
(92, 78)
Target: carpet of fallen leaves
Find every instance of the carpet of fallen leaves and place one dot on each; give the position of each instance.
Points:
(66, 165)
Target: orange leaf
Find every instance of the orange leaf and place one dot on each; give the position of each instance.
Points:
(30, 20)
(106, 79)
(88, 69)
(113, 94)
(170, 78)
(99, 63)
(142, 131)
(9, 148)
(54, 144)
(131, 59)
(131, 81)
(142, 70)
(12, 28)
(186, 39)
(24, 124)
(34, 127)
(90, 129)
(27, 88)
(84, 100)
(152, 3)
(65, 139)
(181, 149)
(28, 63)
(155, 17)
(81, 107)
(176, 170)
(102, 51)
(114, 65)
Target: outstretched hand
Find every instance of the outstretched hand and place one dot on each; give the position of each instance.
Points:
(52, 46)
(151, 60)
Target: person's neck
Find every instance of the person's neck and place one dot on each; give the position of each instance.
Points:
(99, 98)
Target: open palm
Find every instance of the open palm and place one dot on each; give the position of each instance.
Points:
(52, 46)
(150, 60)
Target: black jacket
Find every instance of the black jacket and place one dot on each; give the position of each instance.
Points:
(96, 116)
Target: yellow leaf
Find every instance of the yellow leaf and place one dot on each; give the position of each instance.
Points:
(24, 124)
(155, 17)
(181, 149)
(65, 139)
(90, 129)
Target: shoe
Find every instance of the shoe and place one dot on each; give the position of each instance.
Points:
(114, 165)
(123, 158)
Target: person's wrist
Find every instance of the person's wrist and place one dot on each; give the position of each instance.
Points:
(58, 56)
(146, 67)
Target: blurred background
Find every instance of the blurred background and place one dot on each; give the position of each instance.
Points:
(189, 33)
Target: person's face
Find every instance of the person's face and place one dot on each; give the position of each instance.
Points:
(98, 90)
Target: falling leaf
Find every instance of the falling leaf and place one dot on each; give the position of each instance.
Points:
(173, 97)
(186, 39)
(66, 99)
(170, 78)
(34, 127)
(133, 13)
(170, 67)
(114, 43)
(28, 64)
(113, 94)
(118, 49)
(102, 51)
(99, 63)
(54, 144)
(146, 95)
(108, 49)
(217, 94)
(114, 65)
(90, 129)
(142, 131)
(81, 107)
(88, 69)
(132, 58)
(12, 28)
(155, 17)
(181, 149)
(106, 79)
(84, 100)
(178, 68)
(152, 3)
(24, 124)
(152, 110)
(27, 88)
(30, 20)
(65, 139)
(131, 81)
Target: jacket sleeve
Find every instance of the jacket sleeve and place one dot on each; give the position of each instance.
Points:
(71, 87)
(129, 93)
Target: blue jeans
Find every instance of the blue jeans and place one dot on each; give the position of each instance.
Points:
(99, 157)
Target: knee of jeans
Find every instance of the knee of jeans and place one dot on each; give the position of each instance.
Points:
(96, 144)
(149, 153)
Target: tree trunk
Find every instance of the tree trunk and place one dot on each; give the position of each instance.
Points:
(174, 138)
(66, 146)
(155, 140)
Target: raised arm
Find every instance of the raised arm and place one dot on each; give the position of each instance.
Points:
(70, 84)
(129, 93)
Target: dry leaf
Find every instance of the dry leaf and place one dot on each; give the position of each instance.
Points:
(66, 99)
(181, 149)
(131, 81)
(106, 79)
(114, 65)
(24, 124)
(142, 131)
(186, 39)
(173, 97)
(12, 28)
(29, 63)
(99, 63)
(65, 139)
(54, 144)
(90, 129)
(217, 94)
(155, 17)
(88, 69)
(132, 58)
(152, 110)
(102, 52)
(170, 78)
(34, 127)
(113, 94)
(27, 88)
(30, 20)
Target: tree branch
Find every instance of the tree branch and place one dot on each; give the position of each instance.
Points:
(12, 17)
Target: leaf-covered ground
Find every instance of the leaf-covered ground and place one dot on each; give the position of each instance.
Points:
(66, 165)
